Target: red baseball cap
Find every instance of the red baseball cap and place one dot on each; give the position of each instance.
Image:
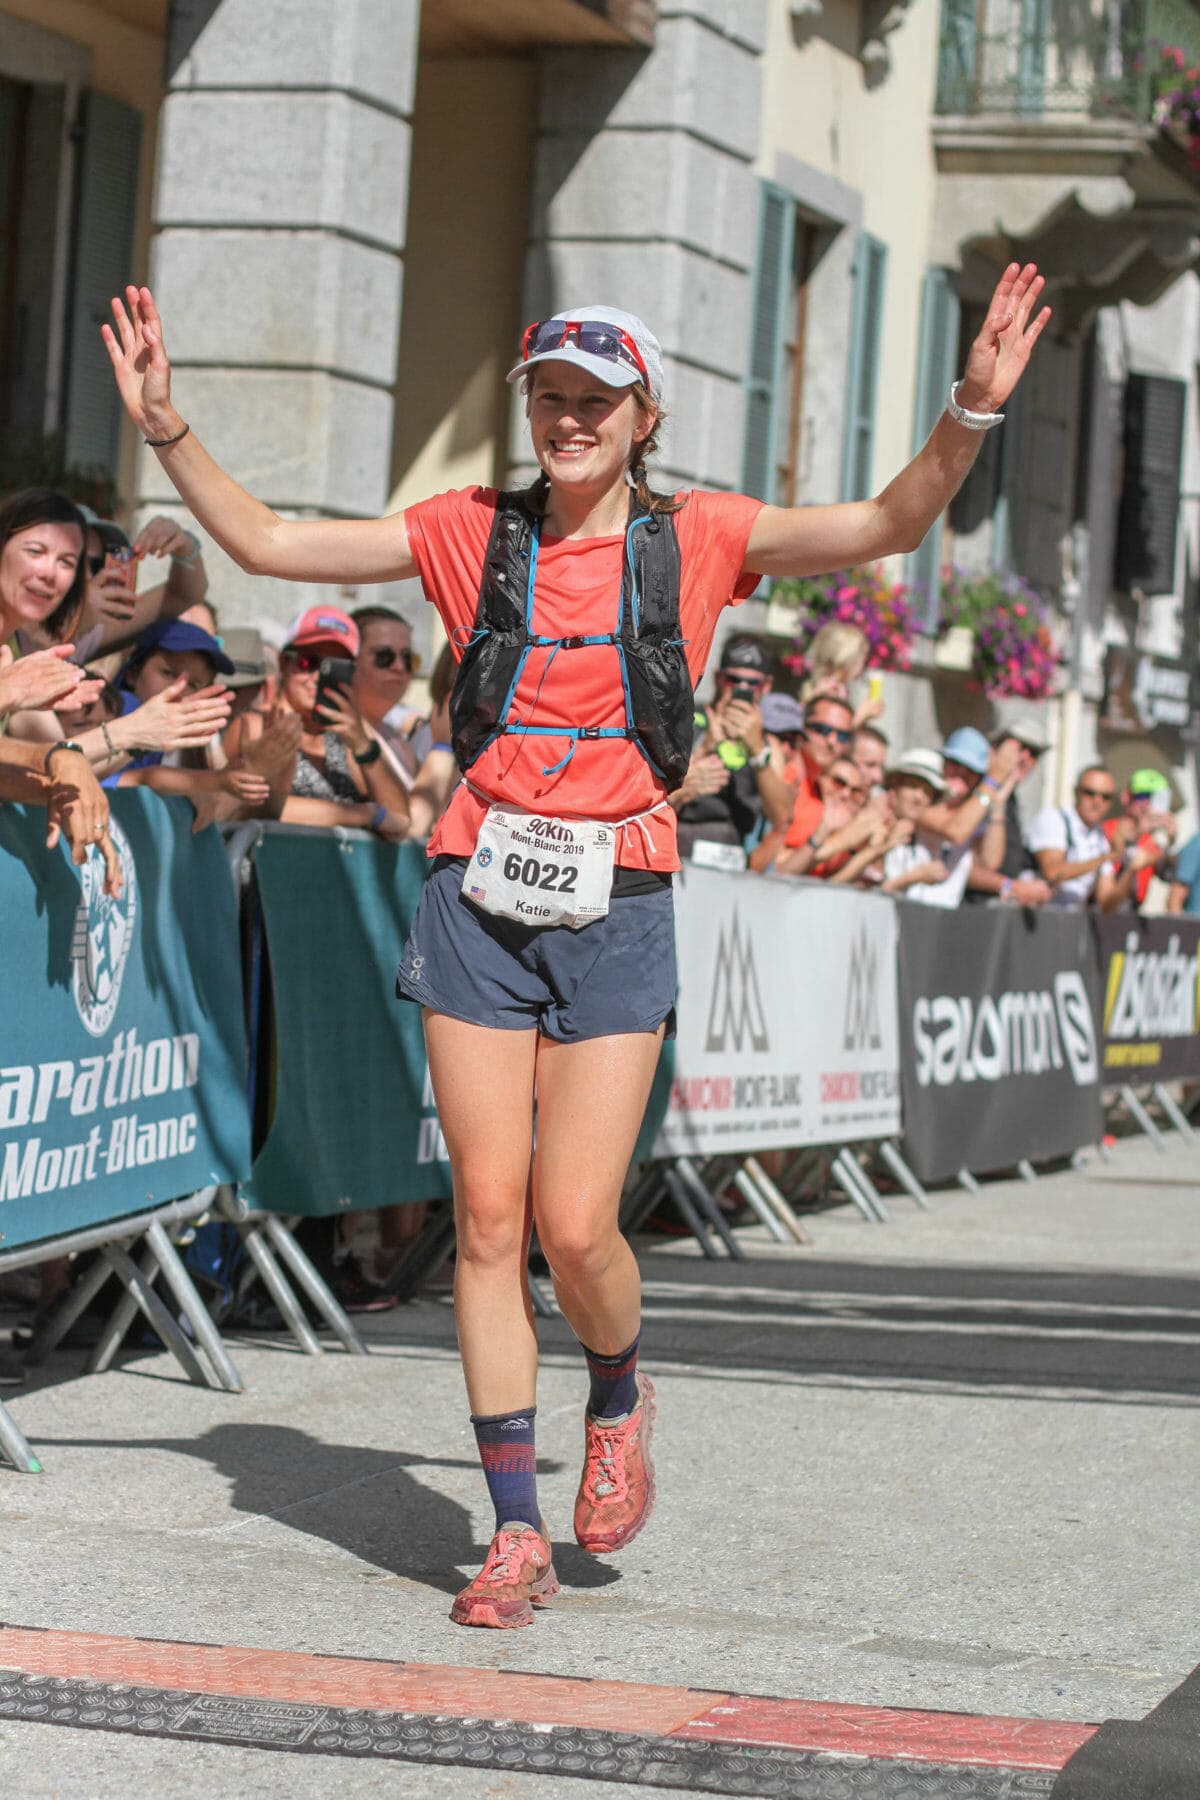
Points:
(323, 625)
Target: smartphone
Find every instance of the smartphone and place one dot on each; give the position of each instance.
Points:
(335, 672)
(743, 690)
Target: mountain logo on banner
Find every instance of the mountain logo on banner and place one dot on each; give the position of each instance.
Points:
(861, 1027)
(103, 936)
(735, 1014)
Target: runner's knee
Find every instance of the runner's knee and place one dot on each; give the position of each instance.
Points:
(491, 1229)
(579, 1251)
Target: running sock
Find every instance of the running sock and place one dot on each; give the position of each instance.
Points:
(614, 1382)
(509, 1461)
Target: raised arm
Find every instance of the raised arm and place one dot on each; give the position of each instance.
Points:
(258, 540)
(811, 540)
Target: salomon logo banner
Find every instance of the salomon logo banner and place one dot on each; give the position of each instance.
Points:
(999, 1042)
(1150, 979)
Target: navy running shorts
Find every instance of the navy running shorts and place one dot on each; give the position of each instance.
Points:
(615, 975)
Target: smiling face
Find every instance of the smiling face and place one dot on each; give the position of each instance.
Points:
(960, 781)
(827, 732)
(870, 753)
(842, 781)
(382, 673)
(37, 567)
(911, 797)
(583, 431)
(1094, 795)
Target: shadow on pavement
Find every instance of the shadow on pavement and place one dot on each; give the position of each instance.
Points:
(1054, 1334)
(368, 1502)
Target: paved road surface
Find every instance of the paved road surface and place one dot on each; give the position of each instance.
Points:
(948, 1464)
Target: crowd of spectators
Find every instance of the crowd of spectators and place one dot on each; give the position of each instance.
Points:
(106, 682)
(813, 787)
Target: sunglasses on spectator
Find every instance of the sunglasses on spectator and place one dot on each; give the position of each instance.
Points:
(838, 733)
(306, 662)
(596, 339)
(1095, 793)
(847, 787)
(738, 677)
(386, 657)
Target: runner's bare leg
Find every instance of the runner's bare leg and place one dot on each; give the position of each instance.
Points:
(591, 1098)
(483, 1085)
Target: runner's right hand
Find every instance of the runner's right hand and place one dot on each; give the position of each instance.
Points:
(140, 364)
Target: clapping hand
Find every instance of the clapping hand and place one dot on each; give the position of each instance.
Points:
(44, 678)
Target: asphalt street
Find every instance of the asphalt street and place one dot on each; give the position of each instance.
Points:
(945, 1463)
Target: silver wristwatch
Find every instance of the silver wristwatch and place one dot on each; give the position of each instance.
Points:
(972, 420)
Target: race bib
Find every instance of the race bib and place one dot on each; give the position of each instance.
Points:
(539, 871)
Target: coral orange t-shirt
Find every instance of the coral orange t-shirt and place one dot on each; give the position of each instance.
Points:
(577, 593)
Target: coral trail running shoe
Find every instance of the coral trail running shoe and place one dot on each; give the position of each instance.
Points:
(616, 1494)
(517, 1576)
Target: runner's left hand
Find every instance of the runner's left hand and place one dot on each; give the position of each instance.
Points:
(1000, 354)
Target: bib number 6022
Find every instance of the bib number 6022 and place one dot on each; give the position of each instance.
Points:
(532, 873)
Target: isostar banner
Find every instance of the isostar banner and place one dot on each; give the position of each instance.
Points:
(999, 1037)
(787, 1025)
(122, 1049)
(1150, 979)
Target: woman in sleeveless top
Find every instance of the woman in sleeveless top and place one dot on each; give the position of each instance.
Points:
(521, 996)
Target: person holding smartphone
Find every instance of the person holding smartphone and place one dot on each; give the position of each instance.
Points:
(544, 959)
(734, 785)
(341, 775)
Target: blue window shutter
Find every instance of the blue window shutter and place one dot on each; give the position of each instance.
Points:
(772, 281)
(105, 214)
(937, 362)
(866, 321)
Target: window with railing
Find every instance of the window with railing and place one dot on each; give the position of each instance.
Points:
(1059, 58)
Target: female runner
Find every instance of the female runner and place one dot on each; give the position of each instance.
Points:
(543, 951)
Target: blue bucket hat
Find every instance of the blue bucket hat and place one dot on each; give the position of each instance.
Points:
(181, 635)
(969, 748)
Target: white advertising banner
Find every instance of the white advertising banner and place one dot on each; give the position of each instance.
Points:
(788, 1027)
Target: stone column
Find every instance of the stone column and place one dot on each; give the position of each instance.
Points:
(644, 197)
(280, 209)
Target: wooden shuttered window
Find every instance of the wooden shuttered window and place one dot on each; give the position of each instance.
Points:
(937, 362)
(1148, 521)
(764, 383)
(866, 320)
(105, 214)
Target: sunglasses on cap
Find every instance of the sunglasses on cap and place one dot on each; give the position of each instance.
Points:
(590, 335)
(386, 657)
(839, 733)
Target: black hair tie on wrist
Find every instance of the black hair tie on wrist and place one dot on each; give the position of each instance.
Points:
(162, 443)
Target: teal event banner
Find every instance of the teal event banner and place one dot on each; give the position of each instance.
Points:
(353, 1121)
(122, 1047)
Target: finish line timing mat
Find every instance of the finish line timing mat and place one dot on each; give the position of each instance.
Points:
(606, 1731)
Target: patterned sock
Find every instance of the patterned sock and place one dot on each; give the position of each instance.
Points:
(510, 1465)
(614, 1381)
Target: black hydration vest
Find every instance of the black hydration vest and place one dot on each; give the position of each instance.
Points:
(654, 672)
